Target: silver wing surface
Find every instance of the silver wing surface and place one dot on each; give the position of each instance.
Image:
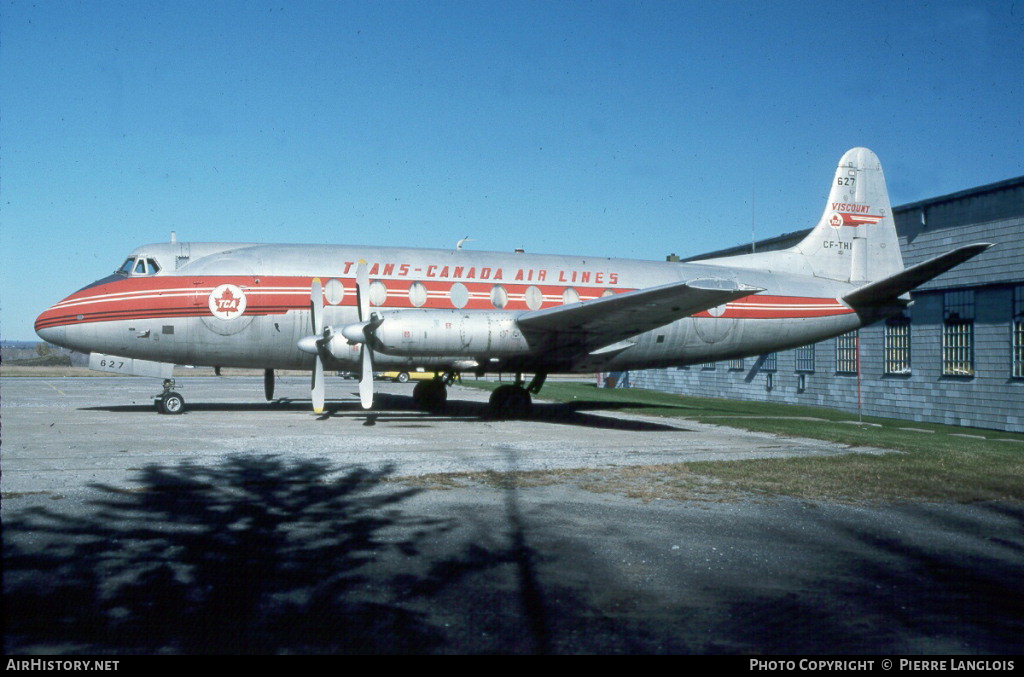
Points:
(599, 325)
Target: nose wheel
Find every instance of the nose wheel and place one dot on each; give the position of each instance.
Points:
(169, 401)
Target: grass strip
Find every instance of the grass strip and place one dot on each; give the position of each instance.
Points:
(937, 463)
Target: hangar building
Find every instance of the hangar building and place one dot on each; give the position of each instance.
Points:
(955, 356)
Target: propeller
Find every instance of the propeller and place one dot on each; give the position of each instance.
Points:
(363, 333)
(316, 344)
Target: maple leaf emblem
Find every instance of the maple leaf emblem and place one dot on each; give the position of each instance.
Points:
(227, 300)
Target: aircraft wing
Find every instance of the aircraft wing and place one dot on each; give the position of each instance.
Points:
(564, 331)
(889, 289)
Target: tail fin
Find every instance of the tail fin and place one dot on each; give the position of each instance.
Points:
(855, 240)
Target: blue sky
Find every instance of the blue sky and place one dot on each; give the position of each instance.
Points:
(600, 128)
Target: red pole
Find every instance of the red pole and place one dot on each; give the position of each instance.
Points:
(859, 414)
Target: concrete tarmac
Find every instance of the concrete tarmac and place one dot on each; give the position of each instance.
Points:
(250, 527)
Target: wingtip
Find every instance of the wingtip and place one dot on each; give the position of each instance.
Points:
(975, 249)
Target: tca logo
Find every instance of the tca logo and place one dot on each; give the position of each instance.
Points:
(227, 302)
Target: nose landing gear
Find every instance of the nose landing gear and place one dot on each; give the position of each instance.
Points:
(169, 402)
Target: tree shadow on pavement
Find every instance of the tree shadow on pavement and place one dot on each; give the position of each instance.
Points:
(255, 555)
(260, 554)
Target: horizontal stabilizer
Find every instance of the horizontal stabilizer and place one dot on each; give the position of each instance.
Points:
(601, 322)
(890, 288)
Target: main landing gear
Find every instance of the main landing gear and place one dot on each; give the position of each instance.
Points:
(507, 401)
(514, 401)
(169, 402)
(432, 395)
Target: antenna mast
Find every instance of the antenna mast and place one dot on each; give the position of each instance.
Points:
(753, 214)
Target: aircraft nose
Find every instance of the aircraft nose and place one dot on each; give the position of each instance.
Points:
(54, 335)
(50, 329)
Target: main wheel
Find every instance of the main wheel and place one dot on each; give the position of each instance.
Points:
(510, 402)
(403, 377)
(172, 403)
(430, 395)
(519, 403)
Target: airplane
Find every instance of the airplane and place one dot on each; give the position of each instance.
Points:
(359, 308)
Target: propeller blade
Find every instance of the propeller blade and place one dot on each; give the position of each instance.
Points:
(363, 290)
(365, 328)
(314, 343)
(316, 306)
(317, 387)
(366, 382)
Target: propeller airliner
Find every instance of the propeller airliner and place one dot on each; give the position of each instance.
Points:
(357, 308)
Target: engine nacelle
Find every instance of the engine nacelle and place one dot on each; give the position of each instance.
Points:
(449, 332)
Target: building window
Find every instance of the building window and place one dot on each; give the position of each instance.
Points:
(1017, 328)
(736, 365)
(897, 346)
(708, 365)
(805, 358)
(769, 361)
(846, 353)
(958, 333)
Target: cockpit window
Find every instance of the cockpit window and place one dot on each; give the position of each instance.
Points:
(137, 267)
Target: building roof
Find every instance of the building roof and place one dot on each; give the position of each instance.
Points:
(962, 194)
(789, 239)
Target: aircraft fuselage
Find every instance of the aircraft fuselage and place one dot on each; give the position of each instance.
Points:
(319, 307)
(246, 305)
